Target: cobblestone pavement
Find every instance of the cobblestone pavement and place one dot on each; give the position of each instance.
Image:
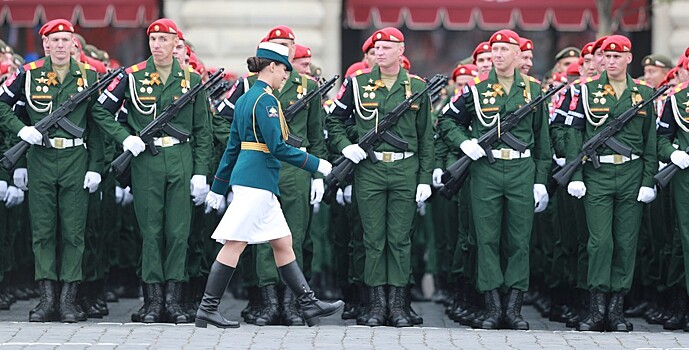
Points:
(438, 332)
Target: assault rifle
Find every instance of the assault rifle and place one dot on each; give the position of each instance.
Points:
(215, 91)
(343, 168)
(301, 103)
(589, 151)
(457, 172)
(58, 118)
(162, 124)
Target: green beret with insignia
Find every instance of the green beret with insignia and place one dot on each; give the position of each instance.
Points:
(656, 60)
(567, 52)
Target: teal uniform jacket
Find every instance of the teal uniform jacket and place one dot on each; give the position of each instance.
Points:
(258, 120)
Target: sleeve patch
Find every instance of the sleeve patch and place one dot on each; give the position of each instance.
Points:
(272, 111)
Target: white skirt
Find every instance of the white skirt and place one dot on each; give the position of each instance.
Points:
(254, 216)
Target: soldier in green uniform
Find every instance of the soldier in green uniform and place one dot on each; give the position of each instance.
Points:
(300, 189)
(161, 184)
(673, 130)
(505, 193)
(386, 191)
(614, 193)
(61, 176)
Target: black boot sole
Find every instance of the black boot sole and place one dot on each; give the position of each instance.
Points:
(317, 319)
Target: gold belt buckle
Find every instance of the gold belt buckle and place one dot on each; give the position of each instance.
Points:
(167, 141)
(387, 157)
(617, 159)
(505, 154)
(59, 143)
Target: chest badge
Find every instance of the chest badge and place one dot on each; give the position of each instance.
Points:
(155, 78)
(184, 85)
(80, 84)
(52, 79)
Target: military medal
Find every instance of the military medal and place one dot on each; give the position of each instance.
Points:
(183, 84)
(372, 95)
(596, 100)
(52, 79)
(485, 101)
(498, 90)
(609, 90)
(379, 84)
(300, 90)
(492, 100)
(365, 94)
(142, 89)
(149, 89)
(38, 88)
(155, 78)
(45, 89)
(602, 100)
(80, 84)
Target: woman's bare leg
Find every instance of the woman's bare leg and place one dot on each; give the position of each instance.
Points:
(230, 252)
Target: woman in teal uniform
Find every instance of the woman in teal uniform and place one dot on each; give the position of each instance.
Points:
(251, 165)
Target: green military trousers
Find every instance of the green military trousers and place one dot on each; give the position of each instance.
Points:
(502, 201)
(385, 194)
(613, 216)
(295, 192)
(357, 264)
(680, 191)
(160, 185)
(57, 197)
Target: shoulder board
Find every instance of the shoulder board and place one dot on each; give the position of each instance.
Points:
(362, 71)
(34, 64)
(328, 102)
(679, 88)
(417, 77)
(640, 82)
(576, 82)
(590, 79)
(309, 76)
(87, 66)
(137, 67)
(478, 79)
(534, 80)
(190, 69)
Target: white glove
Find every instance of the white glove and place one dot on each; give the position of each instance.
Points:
(559, 161)
(21, 179)
(91, 181)
(317, 190)
(472, 149)
(127, 196)
(119, 195)
(423, 191)
(30, 135)
(661, 166)
(540, 196)
(324, 167)
(339, 197)
(230, 198)
(576, 189)
(646, 194)
(421, 208)
(3, 189)
(316, 208)
(199, 189)
(437, 177)
(223, 205)
(133, 144)
(213, 200)
(354, 153)
(680, 158)
(13, 197)
(347, 194)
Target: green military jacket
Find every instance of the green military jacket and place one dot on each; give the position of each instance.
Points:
(145, 96)
(37, 85)
(673, 125)
(363, 101)
(484, 103)
(598, 105)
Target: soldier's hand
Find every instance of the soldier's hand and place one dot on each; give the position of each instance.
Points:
(21, 178)
(576, 189)
(680, 158)
(540, 195)
(91, 181)
(354, 153)
(317, 190)
(30, 135)
(127, 196)
(213, 200)
(13, 197)
(133, 144)
(423, 191)
(119, 194)
(339, 197)
(3, 189)
(347, 194)
(437, 177)
(559, 161)
(472, 149)
(324, 167)
(646, 194)
(199, 189)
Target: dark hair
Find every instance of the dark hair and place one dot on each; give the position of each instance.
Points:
(256, 64)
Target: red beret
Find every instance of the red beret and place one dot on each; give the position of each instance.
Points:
(587, 49)
(561, 77)
(42, 30)
(280, 32)
(180, 35)
(598, 44)
(388, 34)
(617, 43)
(196, 64)
(301, 51)
(481, 48)
(163, 25)
(56, 26)
(573, 69)
(504, 36)
(354, 68)
(188, 49)
(686, 52)
(525, 44)
(671, 74)
(683, 62)
(406, 64)
(368, 44)
(464, 69)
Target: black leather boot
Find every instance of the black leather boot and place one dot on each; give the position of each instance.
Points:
(208, 313)
(156, 303)
(595, 320)
(312, 308)
(513, 311)
(351, 299)
(270, 309)
(98, 296)
(616, 321)
(173, 303)
(47, 308)
(396, 307)
(252, 310)
(676, 321)
(290, 308)
(68, 298)
(138, 316)
(493, 314)
(378, 306)
(86, 303)
(415, 318)
(364, 304)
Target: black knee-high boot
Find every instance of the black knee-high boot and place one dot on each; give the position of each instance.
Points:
(208, 312)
